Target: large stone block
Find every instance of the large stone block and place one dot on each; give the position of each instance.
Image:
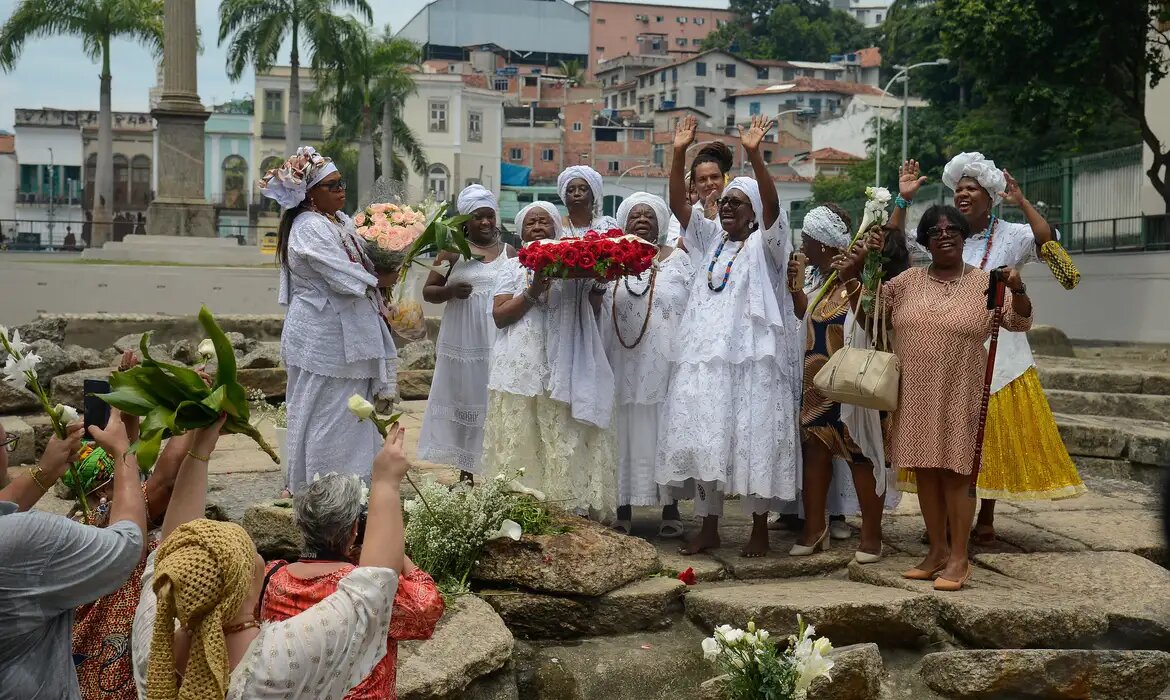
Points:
(1147, 407)
(26, 443)
(70, 388)
(272, 381)
(272, 530)
(415, 384)
(1051, 341)
(14, 399)
(470, 642)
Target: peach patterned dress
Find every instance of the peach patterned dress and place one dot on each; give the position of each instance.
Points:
(939, 332)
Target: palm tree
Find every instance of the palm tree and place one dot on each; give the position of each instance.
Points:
(258, 28)
(96, 23)
(573, 72)
(363, 75)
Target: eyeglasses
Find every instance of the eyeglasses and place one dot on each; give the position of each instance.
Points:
(335, 186)
(936, 232)
(9, 443)
(730, 203)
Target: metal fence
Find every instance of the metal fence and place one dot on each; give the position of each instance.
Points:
(41, 235)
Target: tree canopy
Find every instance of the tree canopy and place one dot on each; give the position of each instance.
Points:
(797, 30)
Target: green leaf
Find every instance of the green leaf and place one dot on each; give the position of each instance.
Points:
(216, 399)
(191, 415)
(147, 449)
(130, 399)
(160, 418)
(225, 355)
(236, 402)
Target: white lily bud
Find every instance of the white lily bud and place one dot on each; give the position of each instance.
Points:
(508, 529)
(360, 407)
(207, 349)
(66, 413)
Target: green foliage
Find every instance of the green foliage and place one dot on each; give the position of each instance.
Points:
(808, 30)
(258, 29)
(95, 22)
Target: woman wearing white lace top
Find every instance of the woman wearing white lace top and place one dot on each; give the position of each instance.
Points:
(335, 341)
(580, 188)
(641, 335)
(731, 419)
(452, 431)
(195, 635)
(551, 388)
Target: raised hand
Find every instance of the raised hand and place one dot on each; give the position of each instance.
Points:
(684, 135)
(113, 438)
(910, 179)
(59, 454)
(754, 134)
(1012, 195)
(391, 464)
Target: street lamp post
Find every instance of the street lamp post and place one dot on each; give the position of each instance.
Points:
(904, 74)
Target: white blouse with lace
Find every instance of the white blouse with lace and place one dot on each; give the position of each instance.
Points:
(319, 654)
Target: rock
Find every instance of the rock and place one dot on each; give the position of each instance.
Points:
(184, 351)
(1086, 379)
(69, 388)
(500, 685)
(26, 442)
(110, 357)
(130, 341)
(845, 612)
(417, 355)
(1051, 341)
(53, 360)
(264, 356)
(79, 358)
(712, 689)
(214, 511)
(415, 384)
(587, 560)
(1148, 407)
(1048, 674)
(642, 605)
(857, 675)
(271, 528)
(705, 567)
(273, 382)
(133, 341)
(51, 329)
(470, 642)
(241, 343)
(42, 429)
(1134, 531)
(17, 399)
(1129, 590)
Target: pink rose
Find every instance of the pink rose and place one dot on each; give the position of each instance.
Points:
(359, 220)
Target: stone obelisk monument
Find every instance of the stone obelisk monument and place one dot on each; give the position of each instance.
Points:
(180, 207)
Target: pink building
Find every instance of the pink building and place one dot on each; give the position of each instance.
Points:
(619, 28)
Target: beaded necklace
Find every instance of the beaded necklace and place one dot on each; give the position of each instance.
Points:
(639, 278)
(990, 231)
(727, 270)
(649, 312)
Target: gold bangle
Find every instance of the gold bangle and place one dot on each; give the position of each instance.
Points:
(201, 458)
(34, 475)
(855, 289)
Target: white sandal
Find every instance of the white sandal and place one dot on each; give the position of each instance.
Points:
(671, 529)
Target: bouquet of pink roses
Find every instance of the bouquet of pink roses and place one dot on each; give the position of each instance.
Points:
(389, 231)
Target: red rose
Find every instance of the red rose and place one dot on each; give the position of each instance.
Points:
(592, 235)
(570, 256)
(688, 577)
(587, 260)
(614, 233)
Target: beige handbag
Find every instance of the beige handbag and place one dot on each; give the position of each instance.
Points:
(865, 377)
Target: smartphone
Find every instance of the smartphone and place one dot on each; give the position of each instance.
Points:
(97, 412)
(797, 282)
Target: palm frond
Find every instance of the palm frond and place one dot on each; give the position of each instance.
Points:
(33, 19)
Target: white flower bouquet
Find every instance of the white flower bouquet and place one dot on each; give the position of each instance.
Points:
(757, 665)
(875, 214)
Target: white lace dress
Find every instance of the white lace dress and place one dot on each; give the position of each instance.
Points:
(452, 430)
(320, 654)
(642, 373)
(732, 415)
(334, 344)
(548, 418)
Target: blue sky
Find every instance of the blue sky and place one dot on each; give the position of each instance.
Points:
(54, 72)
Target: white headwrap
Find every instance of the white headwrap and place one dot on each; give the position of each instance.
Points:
(658, 204)
(751, 188)
(558, 229)
(476, 197)
(584, 172)
(822, 224)
(983, 170)
(291, 181)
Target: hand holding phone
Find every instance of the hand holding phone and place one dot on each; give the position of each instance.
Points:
(796, 267)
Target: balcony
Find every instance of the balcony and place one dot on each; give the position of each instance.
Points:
(276, 130)
(41, 199)
(272, 130)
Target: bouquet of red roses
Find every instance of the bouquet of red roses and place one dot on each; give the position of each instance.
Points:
(602, 256)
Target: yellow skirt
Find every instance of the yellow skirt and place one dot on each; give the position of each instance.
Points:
(1024, 458)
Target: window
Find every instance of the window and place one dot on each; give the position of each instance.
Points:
(599, 49)
(641, 106)
(700, 97)
(235, 183)
(437, 181)
(650, 102)
(681, 41)
(625, 99)
(546, 155)
(658, 18)
(438, 109)
(730, 70)
(577, 126)
(515, 154)
(662, 77)
(500, 84)
(638, 134)
(700, 21)
(656, 44)
(696, 42)
(767, 156)
(274, 106)
(641, 78)
(761, 73)
(700, 68)
(674, 75)
(681, 20)
(789, 74)
(475, 126)
(614, 166)
(878, 18)
(720, 23)
(674, 96)
(659, 154)
(309, 116)
(753, 108)
(601, 20)
(815, 104)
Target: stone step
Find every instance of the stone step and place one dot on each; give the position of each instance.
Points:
(1150, 407)
(1102, 377)
(1116, 438)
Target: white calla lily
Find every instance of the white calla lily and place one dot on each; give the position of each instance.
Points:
(18, 372)
(207, 349)
(67, 414)
(17, 345)
(360, 407)
(509, 529)
(516, 487)
(710, 648)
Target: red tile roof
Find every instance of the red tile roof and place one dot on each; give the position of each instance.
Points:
(832, 154)
(870, 57)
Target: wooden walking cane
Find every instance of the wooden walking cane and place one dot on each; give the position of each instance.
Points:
(995, 295)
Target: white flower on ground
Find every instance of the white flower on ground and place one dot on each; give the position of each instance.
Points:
(710, 648)
(18, 372)
(67, 414)
(763, 635)
(508, 529)
(515, 486)
(733, 637)
(360, 407)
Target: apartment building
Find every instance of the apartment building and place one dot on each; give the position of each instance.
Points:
(819, 98)
(270, 118)
(618, 28)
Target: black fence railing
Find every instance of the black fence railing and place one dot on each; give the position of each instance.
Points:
(1125, 234)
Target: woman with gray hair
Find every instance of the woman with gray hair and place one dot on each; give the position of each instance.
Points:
(646, 310)
(330, 514)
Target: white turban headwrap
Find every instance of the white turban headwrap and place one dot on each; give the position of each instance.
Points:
(584, 172)
(822, 224)
(658, 204)
(558, 228)
(974, 165)
(290, 182)
(475, 197)
(751, 188)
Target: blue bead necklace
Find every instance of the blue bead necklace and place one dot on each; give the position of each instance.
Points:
(726, 271)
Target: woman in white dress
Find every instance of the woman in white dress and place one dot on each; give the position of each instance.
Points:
(551, 388)
(452, 430)
(335, 342)
(581, 190)
(644, 313)
(731, 418)
(195, 635)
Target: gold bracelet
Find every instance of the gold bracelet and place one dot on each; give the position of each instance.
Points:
(201, 458)
(34, 474)
(855, 289)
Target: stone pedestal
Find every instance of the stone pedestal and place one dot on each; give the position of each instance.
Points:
(179, 249)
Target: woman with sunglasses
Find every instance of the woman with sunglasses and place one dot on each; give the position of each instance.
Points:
(335, 341)
(730, 422)
(940, 321)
